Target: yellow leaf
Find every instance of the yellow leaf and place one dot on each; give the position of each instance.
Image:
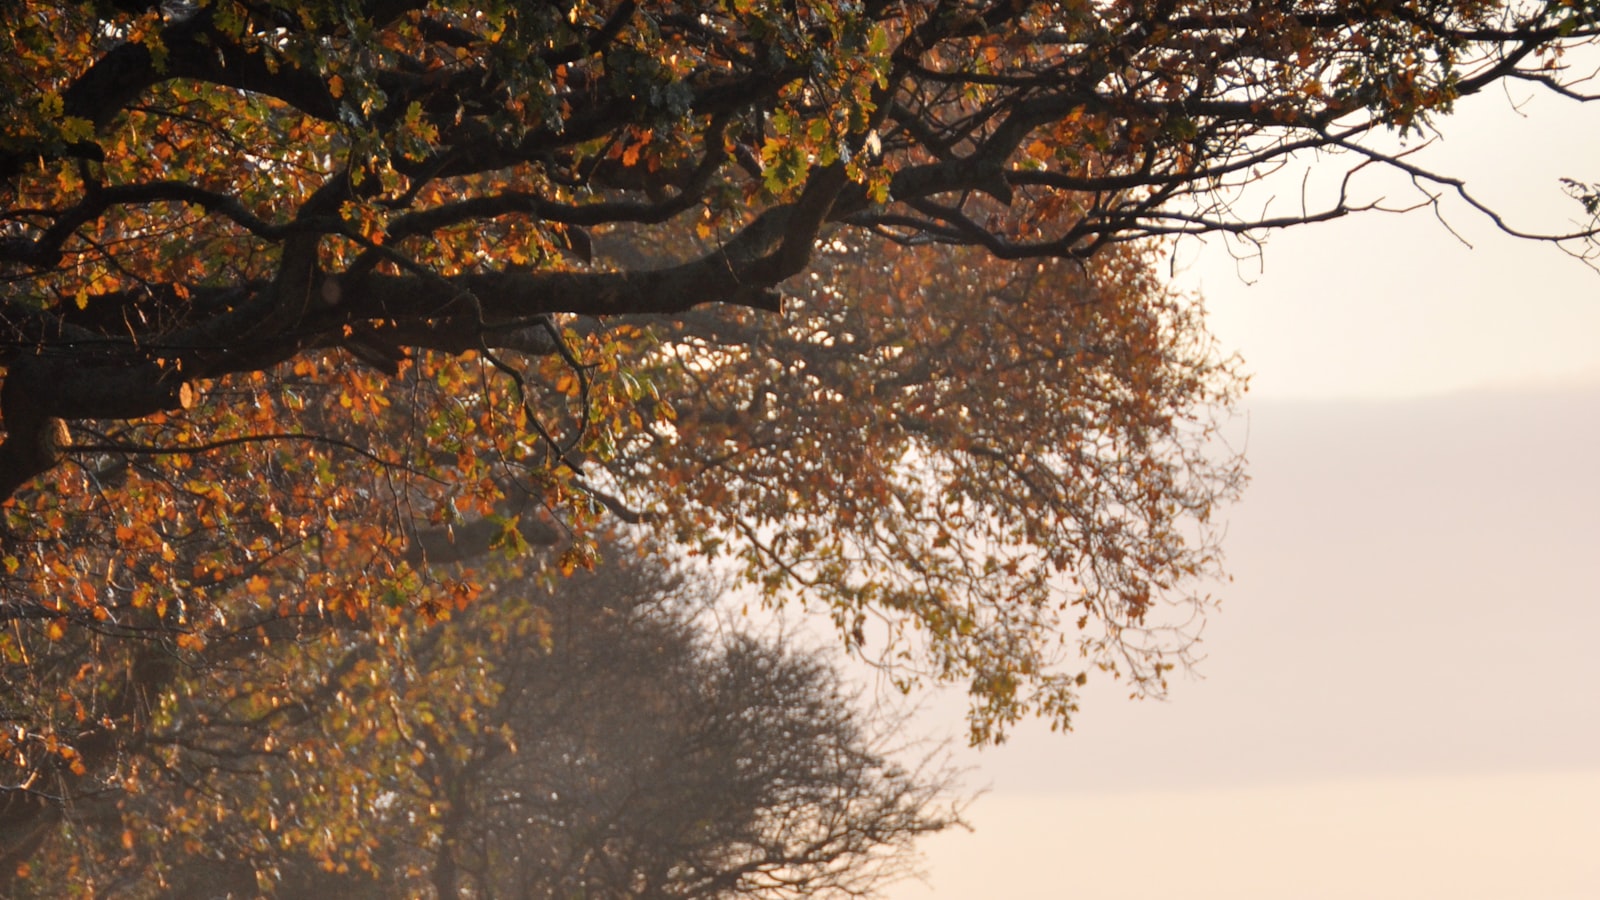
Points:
(336, 86)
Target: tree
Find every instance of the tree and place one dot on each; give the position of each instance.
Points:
(307, 307)
(586, 741)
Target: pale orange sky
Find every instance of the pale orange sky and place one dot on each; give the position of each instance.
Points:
(1400, 697)
(1492, 837)
(1397, 305)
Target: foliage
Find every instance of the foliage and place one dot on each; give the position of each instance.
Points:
(957, 519)
(314, 314)
(591, 741)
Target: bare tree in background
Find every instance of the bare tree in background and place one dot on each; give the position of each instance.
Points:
(587, 741)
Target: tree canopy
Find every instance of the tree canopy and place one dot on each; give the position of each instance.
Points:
(314, 314)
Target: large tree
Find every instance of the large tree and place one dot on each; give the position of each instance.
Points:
(308, 306)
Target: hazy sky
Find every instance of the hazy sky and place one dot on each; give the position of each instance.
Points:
(1397, 305)
(1400, 697)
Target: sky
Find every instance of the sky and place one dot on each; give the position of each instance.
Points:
(1399, 695)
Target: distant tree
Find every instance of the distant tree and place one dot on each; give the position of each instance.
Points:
(588, 741)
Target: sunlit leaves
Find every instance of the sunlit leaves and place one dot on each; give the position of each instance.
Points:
(986, 451)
